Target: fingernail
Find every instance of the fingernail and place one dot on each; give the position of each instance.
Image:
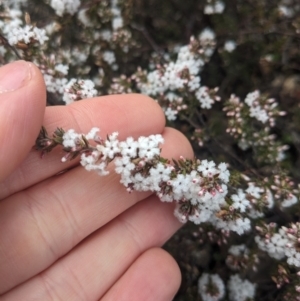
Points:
(14, 76)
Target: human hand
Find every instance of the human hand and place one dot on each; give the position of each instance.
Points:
(68, 234)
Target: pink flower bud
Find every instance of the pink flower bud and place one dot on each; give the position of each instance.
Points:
(141, 164)
(201, 192)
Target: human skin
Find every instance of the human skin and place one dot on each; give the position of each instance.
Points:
(69, 234)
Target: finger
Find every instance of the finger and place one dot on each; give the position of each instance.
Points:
(57, 214)
(154, 276)
(130, 115)
(92, 268)
(22, 105)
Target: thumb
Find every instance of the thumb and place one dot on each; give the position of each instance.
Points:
(22, 106)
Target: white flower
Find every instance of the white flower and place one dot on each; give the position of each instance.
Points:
(58, 84)
(194, 83)
(259, 113)
(110, 147)
(88, 89)
(124, 166)
(216, 8)
(70, 138)
(243, 144)
(205, 100)
(117, 22)
(140, 182)
(165, 197)
(172, 97)
(180, 185)
(148, 147)
(240, 290)
(201, 216)
(275, 246)
(293, 256)
(207, 168)
(254, 191)
(40, 35)
(20, 34)
(129, 147)
(92, 134)
(290, 201)
(286, 11)
(251, 97)
(171, 114)
(79, 89)
(211, 287)
(224, 173)
(229, 46)
(269, 199)
(209, 9)
(241, 225)
(62, 68)
(207, 35)
(83, 18)
(219, 7)
(65, 6)
(239, 201)
(106, 35)
(238, 250)
(160, 172)
(109, 57)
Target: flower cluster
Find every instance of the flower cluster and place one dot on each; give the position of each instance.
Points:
(240, 290)
(211, 287)
(65, 6)
(79, 89)
(198, 187)
(240, 258)
(214, 7)
(167, 81)
(260, 112)
(282, 244)
(26, 34)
